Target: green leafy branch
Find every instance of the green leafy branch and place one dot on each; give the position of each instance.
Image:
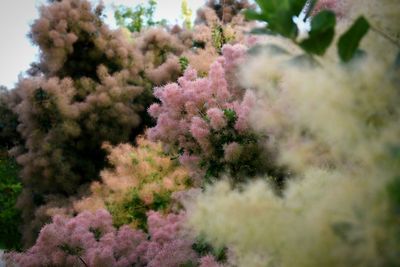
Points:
(282, 18)
(186, 14)
(138, 18)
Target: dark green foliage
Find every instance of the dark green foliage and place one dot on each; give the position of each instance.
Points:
(203, 248)
(135, 209)
(230, 116)
(96, 232)
(9, 136)
(279, 18)
(321, 34)
(350, 40)
(75, 251)
(218, 38)
(199, 44)
(85, 59)
(279, 15)
(138, 18)
(253, 159)
(10, 188)
(184, 62)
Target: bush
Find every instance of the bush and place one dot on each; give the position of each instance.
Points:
(91, 240)
(84, 90)
(9, 137)
(205, 121)
(140, 179)
(216, 24)
(336, 125)
(10, 188)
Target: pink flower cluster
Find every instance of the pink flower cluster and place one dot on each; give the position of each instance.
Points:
(195, 112)
(90, 239)
(167, 245)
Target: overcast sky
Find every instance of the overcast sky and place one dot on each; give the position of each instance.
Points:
(17, 52)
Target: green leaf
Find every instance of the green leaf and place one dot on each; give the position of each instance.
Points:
(279, 15)
(184, 63)
(273, 6)
(323, 21)
(230, 115)
(253, 15)
(269, 6)
(282, 22)
(296, 6)
(350, 40)
(321, 34)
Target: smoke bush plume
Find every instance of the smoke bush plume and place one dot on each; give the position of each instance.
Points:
(85, 89)
(337, 126)
(90, 239)
(140, 179)
(206, 120)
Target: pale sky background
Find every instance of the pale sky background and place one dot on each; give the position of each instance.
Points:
(17, 52)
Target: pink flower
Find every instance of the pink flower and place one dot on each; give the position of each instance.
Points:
(219, 86)
(217, 118)
(209, 261)
(166, 245)
(171, 95)
(199, 129)
(189, 160)
(182, 123)
(232, 152)
(243, 111)
(154, 110)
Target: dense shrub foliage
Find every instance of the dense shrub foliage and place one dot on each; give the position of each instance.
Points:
(10, 218)
(337, 126)
(215, 26)
(91, 85)
(9, 137)
(81, 95)
(205, 121)
(137, 18)
(160, 145)
(90, 239)
(141, 179)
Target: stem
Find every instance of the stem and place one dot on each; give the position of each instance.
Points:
(384, 35)
(223, 13)
(307, 8)
(84, 263)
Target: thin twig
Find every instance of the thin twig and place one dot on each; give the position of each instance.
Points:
(384, 35)
(307, 8)
(84, 263)
(223, 11)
